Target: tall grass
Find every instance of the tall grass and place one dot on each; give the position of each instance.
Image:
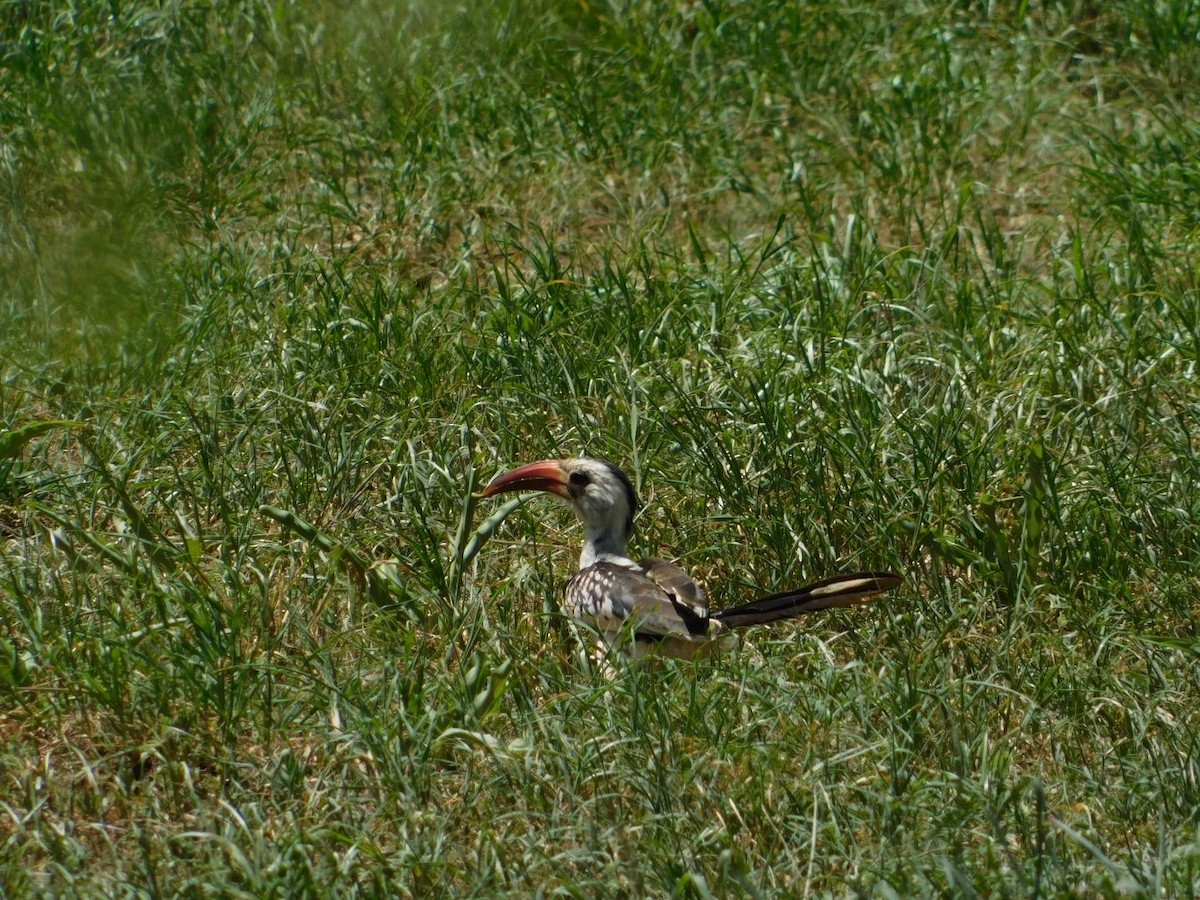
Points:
(906, 286)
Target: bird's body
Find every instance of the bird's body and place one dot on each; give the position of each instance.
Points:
(660, 605)
(654, 603)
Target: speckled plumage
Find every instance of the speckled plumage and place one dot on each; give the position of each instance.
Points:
(653, 601)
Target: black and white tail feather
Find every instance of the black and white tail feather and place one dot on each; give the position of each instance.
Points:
(653, 601)
(830, 593)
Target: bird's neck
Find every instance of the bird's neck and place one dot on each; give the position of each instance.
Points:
(603, 545)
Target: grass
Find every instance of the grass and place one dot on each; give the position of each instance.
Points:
(907, 285)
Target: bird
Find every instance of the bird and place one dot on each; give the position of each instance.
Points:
(653, 601)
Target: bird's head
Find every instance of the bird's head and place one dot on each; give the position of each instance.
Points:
(601, 495)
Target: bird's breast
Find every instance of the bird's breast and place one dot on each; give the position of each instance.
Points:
(590, 596)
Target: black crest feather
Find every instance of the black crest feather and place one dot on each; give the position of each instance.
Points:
(630, 494)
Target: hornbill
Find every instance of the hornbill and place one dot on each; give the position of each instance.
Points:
(653, 599)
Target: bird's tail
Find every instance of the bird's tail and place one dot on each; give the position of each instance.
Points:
(841, 590)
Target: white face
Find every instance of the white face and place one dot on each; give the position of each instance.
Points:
(600, 496)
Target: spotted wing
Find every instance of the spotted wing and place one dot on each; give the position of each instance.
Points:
(655, 598)
(675, 582)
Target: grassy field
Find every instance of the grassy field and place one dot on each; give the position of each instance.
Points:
(901, 285)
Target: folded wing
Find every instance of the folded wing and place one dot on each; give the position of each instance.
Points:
(655, 598)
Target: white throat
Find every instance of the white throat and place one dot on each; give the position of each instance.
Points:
(603, 544)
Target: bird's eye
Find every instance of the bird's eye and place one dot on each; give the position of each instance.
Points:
(580, 478)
